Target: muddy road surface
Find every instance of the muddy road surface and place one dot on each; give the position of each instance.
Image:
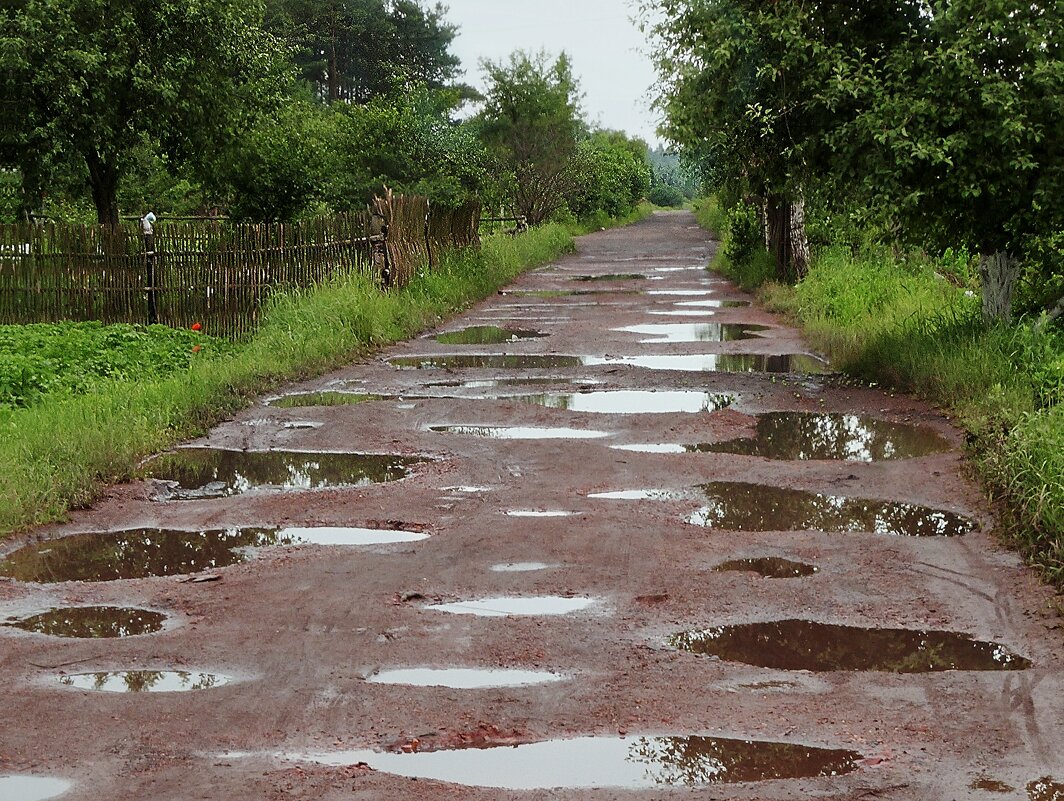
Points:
(615, 533)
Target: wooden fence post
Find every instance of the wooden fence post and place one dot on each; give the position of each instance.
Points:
(149, 266)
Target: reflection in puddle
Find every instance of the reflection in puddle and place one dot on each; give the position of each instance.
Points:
(488, 383)
(539, 513)
(486, 361)
(990, 785)
(695, 332)
(714, 304)
(563, 293)
(621, 762)
(464, 678)
(739, 506)
(487, 335)
(333, 535)
(145, 681)
(680, 293)
(194, 473)
(326, 398)
(517, 607)
(642, 495)
(31, 788)
(633, 402)
(93, 622)
(769, 567)
(520, 432)
(808, 645)
(796, 435)
(520, 567)
(651, 447)
(1045, 789)
(719, 362)
(611, 277)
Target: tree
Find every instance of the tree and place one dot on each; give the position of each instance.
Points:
(530, 123)
(98, 76)
(613, 175)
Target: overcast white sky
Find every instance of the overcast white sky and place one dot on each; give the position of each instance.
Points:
(607, 50)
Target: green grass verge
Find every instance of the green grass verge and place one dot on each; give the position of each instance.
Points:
(59, 453)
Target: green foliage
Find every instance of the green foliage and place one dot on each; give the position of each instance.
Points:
(612, 175)
(667, 195)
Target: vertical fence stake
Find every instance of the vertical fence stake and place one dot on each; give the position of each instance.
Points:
(149, 264)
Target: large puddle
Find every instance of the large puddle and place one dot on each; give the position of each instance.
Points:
(633, 401)
(611, 277)
(796, 435)
(719, 362)
(193, 473)
(641, 495)
(520, 432)
(569, 293)
(488, 383)
(739, 506)
(695, 332)
(1045, 789)
(486, 361)
(714, 304)
(31, 788)
(768, 567)
(808, 645)
(302, 400)
(520, 567)
(609, 762)
(513, 606)
(342, 535)
(487, 335)
(145, 681)
(93, 622)
(464, 678)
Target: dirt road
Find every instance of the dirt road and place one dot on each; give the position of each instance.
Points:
(647, 441)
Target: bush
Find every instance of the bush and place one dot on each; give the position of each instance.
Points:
(667, 195)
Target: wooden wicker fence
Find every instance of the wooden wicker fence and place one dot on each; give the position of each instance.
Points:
(211, 272)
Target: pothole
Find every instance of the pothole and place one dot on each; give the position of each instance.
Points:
(194, 473)
(695, 332)
(681, 293)
(342, 535)
(464, 678)
(714, 304)
(769, 567)
(642, 495)
(609, 762)
(991, 785)
(844, 437)
(93, 622)
(145, 681)
(1045, 789)
(520, 432)
(520, 567)
(487, 335)
(32, 788)
(486, 361)
(633, 402)
(611, 277)
(739, 506)
(563, 293)
(300, 400)
(819, 647)
(488, 383)
(513, 606)
(719, 362)
(539, 513)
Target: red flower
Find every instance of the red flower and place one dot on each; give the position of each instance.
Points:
(196, 348)
(197, 326)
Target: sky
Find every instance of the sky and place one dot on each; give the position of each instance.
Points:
(607, 50)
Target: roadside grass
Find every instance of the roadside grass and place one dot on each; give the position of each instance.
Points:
(600, 220)
(59, 453)
(913, 323)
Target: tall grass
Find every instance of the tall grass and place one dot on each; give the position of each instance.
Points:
(59, 453)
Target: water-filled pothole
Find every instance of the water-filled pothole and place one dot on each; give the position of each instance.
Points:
(145, 681)
(818, 647)
(539, 513)
(302, 400)
(31, 788)
(514, 606)
(609, 762)
(769, 567)
(93, 622)
(719, 362)
(848, 437)
(695, 332)
(520, 567)
(192, 473)
(611, 277)
(488, 383)
(633, 401)
(486, 361)
(642, 495)
(520, 432)
(989, 784)
(681, 293)
(487, 335)
(342, 535)
(564, 293)
(1045, 789)
(464, 678)
(739, 506)
(714, 304)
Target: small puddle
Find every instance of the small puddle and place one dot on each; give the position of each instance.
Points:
(681, 293)
(1045, 789)
(609, 762)
(194, 473)
(611, 277)
(991, 785)
(489, 383)
(464, 678)
(31, 788)
(145, 681)
(642, 495)
(516, 606)
(486, 361)
(338, 535)
(487, 335)
(695, 332)
(93, 622)
(846, 437)
(633, 402)
(520, 432)
(520, 567)
(819, 647)
(714, 304)
(769, 567)
(302, 400)
(570, 293)
(739, 506)
(719, 362)
(539, 513)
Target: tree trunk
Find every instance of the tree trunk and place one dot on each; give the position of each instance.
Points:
(787, 241)
(103, 181)
(998, 273)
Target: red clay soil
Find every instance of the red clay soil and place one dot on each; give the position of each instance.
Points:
(301, 628)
